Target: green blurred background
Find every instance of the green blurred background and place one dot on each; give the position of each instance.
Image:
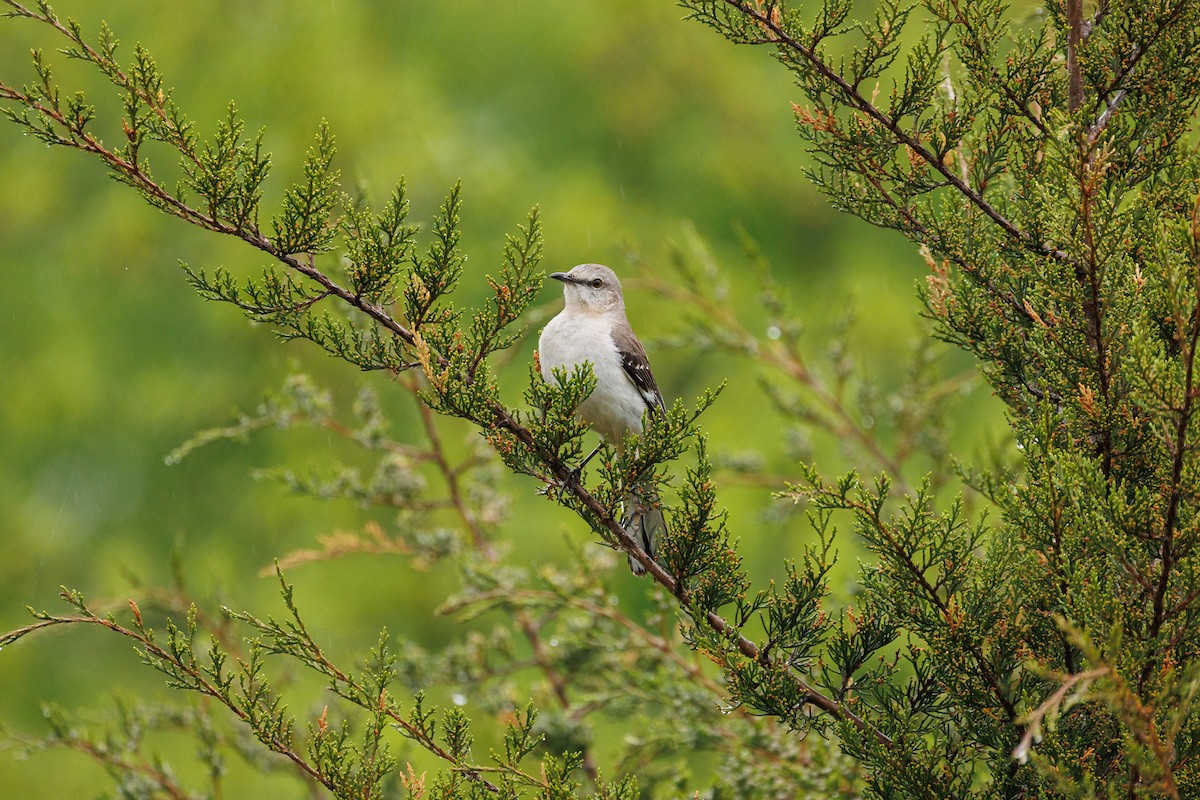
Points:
(625, 124)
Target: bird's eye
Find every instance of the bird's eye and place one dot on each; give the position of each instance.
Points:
(597, 283)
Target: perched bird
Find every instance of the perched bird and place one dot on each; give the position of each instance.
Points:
(592, 327)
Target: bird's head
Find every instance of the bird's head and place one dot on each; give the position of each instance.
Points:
(591, 288)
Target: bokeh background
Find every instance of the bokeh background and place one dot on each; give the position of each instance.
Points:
(628, 126)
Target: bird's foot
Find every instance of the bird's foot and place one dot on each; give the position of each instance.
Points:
(572, 479)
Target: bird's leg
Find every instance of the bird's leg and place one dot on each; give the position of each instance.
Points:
(573, 476)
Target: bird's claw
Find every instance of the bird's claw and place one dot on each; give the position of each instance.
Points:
(572, 479)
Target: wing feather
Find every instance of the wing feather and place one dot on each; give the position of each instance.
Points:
(637, 366)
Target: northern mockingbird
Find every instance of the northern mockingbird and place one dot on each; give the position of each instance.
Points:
(593, 328)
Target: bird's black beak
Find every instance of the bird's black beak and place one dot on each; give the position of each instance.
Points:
(562, 276)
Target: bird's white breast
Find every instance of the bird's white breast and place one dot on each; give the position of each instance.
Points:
(615, 407)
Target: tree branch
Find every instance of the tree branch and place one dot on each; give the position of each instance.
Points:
(1088, 274)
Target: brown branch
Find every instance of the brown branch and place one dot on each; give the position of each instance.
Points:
(1119, 82)
(1184, 604)
(1134, 58)
(968, 266)
(248, 233)
(437, 454)
(1088, 274)
(718, 623)
(562, 476)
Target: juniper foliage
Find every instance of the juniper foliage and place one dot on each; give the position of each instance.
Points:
(1043, 162)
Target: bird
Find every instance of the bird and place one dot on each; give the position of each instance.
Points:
(593, 328)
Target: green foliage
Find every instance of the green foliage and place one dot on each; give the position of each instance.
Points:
(1048, 175)
(1056, 198)
(304, 224)
(375, 244)
(228, 171)
(331, 754)
(697, 552)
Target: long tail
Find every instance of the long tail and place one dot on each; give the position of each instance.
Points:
(644, 522)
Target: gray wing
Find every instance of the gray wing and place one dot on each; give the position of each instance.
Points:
(637, 366)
